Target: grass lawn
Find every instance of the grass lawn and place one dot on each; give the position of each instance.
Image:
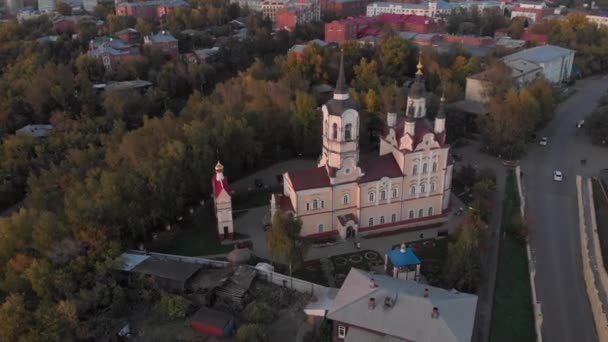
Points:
(601, 216)
(513, 315)
(197, 236)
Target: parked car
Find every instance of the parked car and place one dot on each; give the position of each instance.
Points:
(543, 141)
(258, 183)
(557, 176)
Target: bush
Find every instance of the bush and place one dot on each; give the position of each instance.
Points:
(518, 229)
(172, 306)
(251, 333)
(259, 313)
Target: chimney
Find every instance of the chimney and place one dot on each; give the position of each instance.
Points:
(372, 283)
(426, 292)
(435, 313)
(371, 304)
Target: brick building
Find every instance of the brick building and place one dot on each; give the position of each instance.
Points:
(129, 36)
(345, 7)
(165, 42)
(153, 10)
(298, 13)
(359, 27)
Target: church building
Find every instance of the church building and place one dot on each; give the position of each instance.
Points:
(407, 185)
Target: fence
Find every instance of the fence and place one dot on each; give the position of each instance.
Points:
(536, 304)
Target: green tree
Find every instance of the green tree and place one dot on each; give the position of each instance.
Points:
(63, 8)
(394, 54)
(251, 333)
(597, 125)
(259, 313)
(143, 27)
(172, 306)
(305, 122)
(463, 269)
(366, 75)
(284, 240)
(14, 316)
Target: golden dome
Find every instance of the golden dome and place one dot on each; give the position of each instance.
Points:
(219, 167)
(419, 66)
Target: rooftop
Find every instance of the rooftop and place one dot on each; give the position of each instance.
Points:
(168, 3)
(154, 266)
(402, 257)
(122, 85)
(34, 130)
(309, 178)
(160, 37)
(379, 167)
(407, 314)
(520, 67)
(540, 54)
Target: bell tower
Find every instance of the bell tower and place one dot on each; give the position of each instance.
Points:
(340, 134)
(222, 200)
(415, 97)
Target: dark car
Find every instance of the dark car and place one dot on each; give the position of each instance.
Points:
(258, 183)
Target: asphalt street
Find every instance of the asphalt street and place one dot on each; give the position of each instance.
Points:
(551, 208)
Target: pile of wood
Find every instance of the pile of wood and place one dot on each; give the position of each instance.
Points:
(234, 290)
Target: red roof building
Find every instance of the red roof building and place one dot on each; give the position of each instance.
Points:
(165, 42)
(154, 10)
(537, 38)
(345, 8)
(358, 27)
(111, 52)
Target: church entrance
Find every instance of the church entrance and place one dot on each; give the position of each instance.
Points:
(350, 232)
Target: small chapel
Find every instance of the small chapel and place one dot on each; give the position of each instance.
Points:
(407, 185)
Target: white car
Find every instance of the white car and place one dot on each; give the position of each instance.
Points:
(543, 141)
(557, 176)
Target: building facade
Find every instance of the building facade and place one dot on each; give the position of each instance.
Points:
(46, 6)
(111, 52)
(165, 42)
(297, 13)
(153, 10)
(345, 8)
(253, 5)
(556, 62)
(433, 9)
(222, 201)
(407, 185)
(600, 19)
(270, 8)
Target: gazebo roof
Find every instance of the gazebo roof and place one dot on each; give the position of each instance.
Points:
(402, 257)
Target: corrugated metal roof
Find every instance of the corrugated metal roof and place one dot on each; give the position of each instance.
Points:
(540, 54)
(128, 261)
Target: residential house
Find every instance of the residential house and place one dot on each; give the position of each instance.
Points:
(130, 36)
(111, 51)
(371, 307)
(165, 42)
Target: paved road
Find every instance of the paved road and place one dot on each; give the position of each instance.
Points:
(552, 209)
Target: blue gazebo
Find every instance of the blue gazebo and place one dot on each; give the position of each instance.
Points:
(403, 260)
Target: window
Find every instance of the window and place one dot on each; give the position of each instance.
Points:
(382, 195)
(411, 214)
(307, 206)
(322, 204)
(382, 219)
(370, 196)
(320, 227)
(394, 218)
(394, 193)
(430, 211)
(315, 204)
(424, 168)
(341, 331)
(422, 188)
(334, 133)
(371, 221)
(435, 167)
(420, 213)
(348, 132)
(413, 190)
(432, 187)
(415, 170)
(345, 199)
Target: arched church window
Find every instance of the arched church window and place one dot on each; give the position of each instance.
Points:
(382, 195)
(432, 187)
(434, 166)
(370, 196)
(411, 214)
(315, 204)
(430, 211)
(394, 218)
(413, 190)
(348, 132)
(420, 212)
(425, 168)
(415, 170)
(422, 188)
(334, 133)
(394, 195)
(345, 199)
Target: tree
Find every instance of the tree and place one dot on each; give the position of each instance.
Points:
(143, 27)
(259, 313)
(14, 318)
(366, 75)
(172, 306)
(284, 240)
(463, 268)
(394, 53)
(597, 125)
(305, 122)
(517, 27)
(251, 333)
(63, 8)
